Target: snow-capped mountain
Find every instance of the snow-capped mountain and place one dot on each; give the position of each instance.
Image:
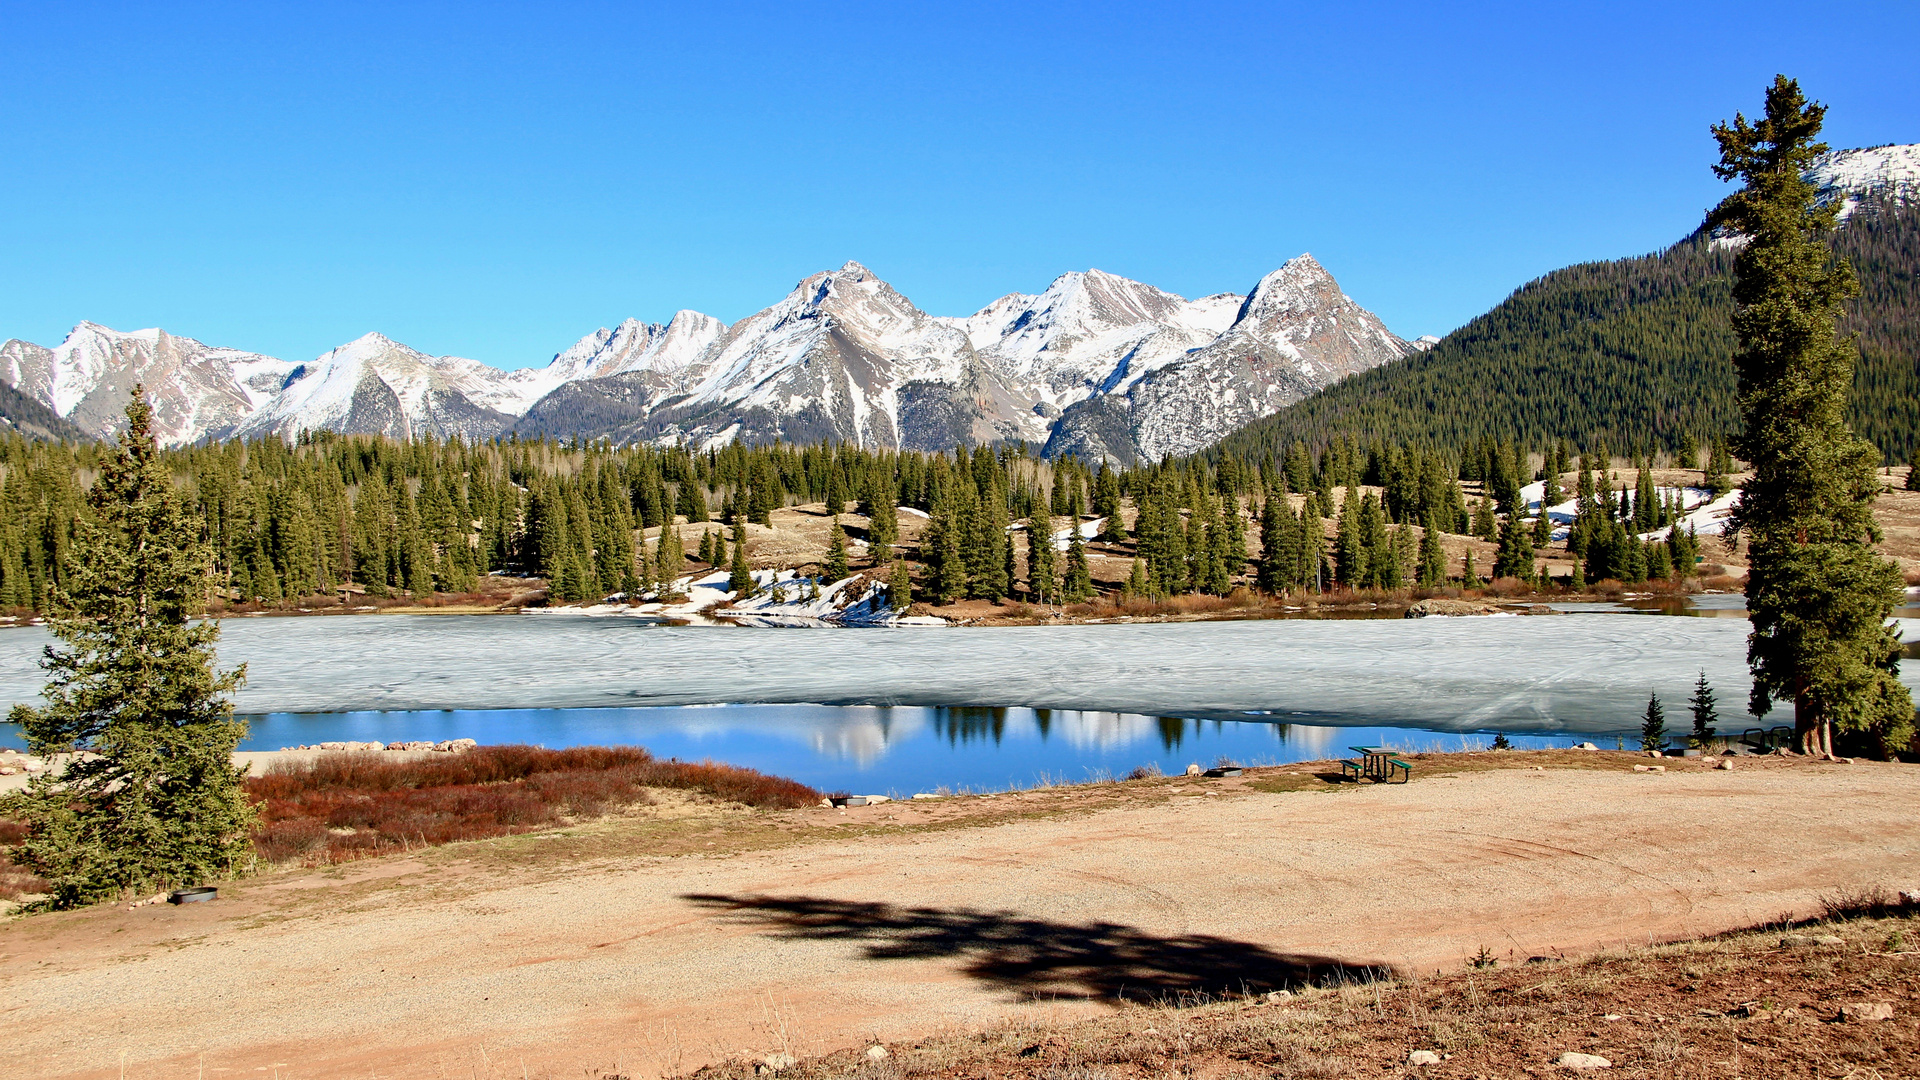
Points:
(376, 385)
(1134, 369)
(1295, 333)
(194, 388)
(1093, 332)
(669, 352)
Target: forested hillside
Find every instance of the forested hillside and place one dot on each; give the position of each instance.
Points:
(18, 412)
(1633, 353)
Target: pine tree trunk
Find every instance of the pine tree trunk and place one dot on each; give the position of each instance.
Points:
(1813, 732)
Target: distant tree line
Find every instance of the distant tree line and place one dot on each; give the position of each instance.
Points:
(386, 517)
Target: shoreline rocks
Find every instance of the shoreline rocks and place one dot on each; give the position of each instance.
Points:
(445, 746)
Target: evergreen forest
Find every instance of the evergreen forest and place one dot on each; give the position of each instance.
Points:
(1633, 353)
(369, 516)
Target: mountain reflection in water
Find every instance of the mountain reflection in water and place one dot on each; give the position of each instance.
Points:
(898, 750)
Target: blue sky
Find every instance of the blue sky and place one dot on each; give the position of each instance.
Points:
(495, 181)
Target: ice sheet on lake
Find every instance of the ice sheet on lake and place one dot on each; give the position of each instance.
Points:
(1543, 673)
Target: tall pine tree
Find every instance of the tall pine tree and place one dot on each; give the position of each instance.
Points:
(1818, 596)
(155, 798)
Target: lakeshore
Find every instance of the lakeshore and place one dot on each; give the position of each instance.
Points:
(655, 944)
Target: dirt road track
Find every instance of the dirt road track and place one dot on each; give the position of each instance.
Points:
(431, 968)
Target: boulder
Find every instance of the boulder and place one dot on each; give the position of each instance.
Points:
(1442, 606)
(1423, 1057)
(774, 1063)
(876, 1053)
(1585, 746)
(1726, 764)
(1649, 768)
(1572, 1060)
(1866, 1012)
(455, 746)
(1195, 769)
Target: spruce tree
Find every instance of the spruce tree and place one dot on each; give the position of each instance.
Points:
(1719, 464)
(1817, 594)
(670, 555)
(1280, 542)
(1376, 553)
(900, 586)
(1400, 567)
(1913, 469)
(1042, 577)
(1484, 525)
(1077, 586)
(1138, 584)
(1514, 559)
(740, 575)
(836, 564)
(1705, 716)
(1106, 503)
(1349, 550)
(155, 798)
(883, 522)
(1433, 557)
(1653, 725)
(943, 546)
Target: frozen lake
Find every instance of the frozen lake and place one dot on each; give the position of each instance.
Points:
(1573, 673)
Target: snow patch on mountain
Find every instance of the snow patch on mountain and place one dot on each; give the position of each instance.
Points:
(1888, 173)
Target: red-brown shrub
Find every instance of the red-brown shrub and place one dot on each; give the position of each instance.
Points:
(349, 805)
(14, 881)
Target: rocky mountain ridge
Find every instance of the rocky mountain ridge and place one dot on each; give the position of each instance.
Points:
(1095, 364)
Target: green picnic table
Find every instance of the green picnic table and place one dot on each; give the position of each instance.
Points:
(1375, 763)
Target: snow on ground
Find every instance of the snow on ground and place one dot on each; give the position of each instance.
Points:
(1063, 538)
(1706, 514)
(779, 598)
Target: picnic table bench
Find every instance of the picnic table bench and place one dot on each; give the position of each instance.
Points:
(1375, 763)
(1765, 739)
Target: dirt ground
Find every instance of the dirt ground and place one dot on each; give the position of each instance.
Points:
(651, 946)
(1833, 997)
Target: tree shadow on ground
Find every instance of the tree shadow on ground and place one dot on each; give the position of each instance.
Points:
(1036, 957)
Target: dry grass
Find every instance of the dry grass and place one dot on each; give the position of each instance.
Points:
(1778, 1001)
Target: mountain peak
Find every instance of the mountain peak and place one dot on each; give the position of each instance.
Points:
(372, 339)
